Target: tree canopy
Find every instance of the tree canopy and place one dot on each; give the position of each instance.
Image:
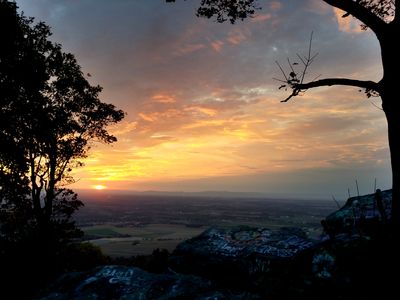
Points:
(49, 116)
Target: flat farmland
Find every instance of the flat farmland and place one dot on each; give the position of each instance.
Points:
(141, 240)
(136, 224)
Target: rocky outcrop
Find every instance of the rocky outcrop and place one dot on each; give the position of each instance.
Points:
(239, 256)
(359, 213)
(247, 241)
(120, 282)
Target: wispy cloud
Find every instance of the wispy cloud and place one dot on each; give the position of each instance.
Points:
(261, 17)
(190, 48)
(163, 98)
(217, 45)
(346, 24)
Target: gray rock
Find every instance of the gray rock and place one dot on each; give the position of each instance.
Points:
(241, 253)
(360, 209)
(120, 282)
(246, 241)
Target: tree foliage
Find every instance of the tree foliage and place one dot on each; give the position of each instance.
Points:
(49, 116)
(224, 10)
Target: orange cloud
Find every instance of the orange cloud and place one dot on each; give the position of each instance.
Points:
(217, 45)
(123, 128)
(148, 117)
(261, 17)
(187, 49)
(347, 24)
(204, 110)
(163, 98)
(162, 137)
(237, 36)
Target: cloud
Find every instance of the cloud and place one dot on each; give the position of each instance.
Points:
(148, 117)
(346, 24)
(163, 98)
(217, 45)
(237, 36)
(204, 110)
(262, 17)
(188, 49)
(122, 128)
(163, 137)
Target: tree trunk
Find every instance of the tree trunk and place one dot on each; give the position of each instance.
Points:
(390, 102)
(393, 121)
(52, 180)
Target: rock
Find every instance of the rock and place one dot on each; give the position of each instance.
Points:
(246, 241)
(120, 282)
(131, 283)
(359, 212)
(241, 255)
(323, 263)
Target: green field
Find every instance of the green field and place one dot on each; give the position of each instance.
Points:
(142, 240)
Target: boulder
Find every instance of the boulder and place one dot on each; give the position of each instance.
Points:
(240, 256)
(360, 213)
(121, 282)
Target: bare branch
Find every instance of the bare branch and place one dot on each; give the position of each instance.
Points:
(280, 80)
(365, 84)
(302, 60)
(310, 44)
(293, 79)
(283, 72)
(308, 59)
(316, 77)
(301, 87)
(313, 57)
(290, 65)
(288, 98)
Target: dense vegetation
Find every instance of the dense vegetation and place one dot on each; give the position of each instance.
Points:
(49, 115)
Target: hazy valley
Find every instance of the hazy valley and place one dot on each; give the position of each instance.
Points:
(136, 224)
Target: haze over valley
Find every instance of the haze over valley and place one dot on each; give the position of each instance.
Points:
(126, 224)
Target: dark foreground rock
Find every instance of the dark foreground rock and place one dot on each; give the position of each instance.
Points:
(246, 241)
(360, 213)
(121, 282)
(242, 256)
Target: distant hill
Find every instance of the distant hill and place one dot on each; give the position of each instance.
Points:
(202, 194)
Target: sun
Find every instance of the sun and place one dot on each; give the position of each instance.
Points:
(99, 187)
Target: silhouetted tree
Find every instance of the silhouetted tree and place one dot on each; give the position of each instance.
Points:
(49, 115)
(377, 15)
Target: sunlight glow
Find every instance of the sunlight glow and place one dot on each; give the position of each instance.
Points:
(99, 187)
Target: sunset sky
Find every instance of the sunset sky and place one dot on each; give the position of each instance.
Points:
(203, 110)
